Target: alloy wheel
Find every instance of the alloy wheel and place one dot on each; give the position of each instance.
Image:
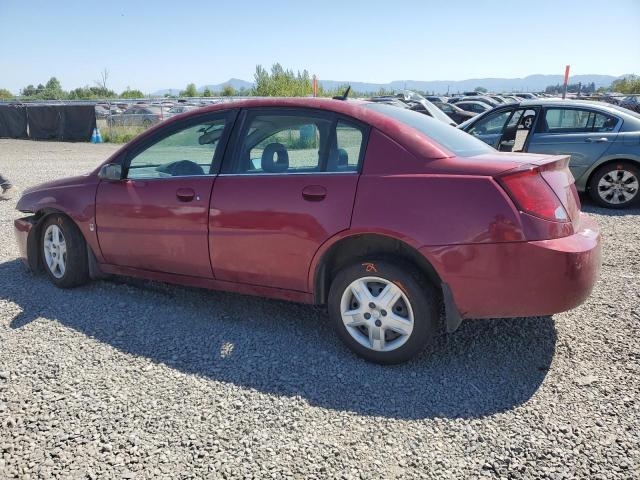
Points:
(55, 251)
(377, 313)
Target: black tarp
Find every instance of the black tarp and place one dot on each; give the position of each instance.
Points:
(45, 122)
(78, 122)
(61, 122)
(13, 121)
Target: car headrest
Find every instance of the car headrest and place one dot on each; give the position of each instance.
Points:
(181, 168)
(275, 158)
(338, 160)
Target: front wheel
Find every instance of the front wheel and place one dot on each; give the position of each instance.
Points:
(384, 311)
(615, 185)
(64, 252)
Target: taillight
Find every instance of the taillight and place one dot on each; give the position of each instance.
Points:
(533, 195)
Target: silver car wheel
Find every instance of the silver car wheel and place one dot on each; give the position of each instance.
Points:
(377, 314)
(55, 251)
(618, 187)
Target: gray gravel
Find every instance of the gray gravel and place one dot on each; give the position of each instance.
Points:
(133, 379)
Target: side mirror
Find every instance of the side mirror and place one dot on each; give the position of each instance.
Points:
(111, 172)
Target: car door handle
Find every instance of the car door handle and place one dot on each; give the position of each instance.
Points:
(597, 140)
(314, 193)
(185, 194)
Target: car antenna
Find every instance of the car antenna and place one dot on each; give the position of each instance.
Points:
(344, 95)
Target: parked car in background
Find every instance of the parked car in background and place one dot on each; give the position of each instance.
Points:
(481, 98)
(414, 101)
(631, 103)
(473, 106)
(525, 96)
(603, 141)
(102, 112)
(454, 112)
(140, 115)
(329, 202)
(180, 109)
(434, 98)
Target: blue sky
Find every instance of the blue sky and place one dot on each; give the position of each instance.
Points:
(163, 44)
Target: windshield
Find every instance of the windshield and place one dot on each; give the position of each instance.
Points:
(456, 141)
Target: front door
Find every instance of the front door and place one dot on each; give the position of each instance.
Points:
(288, 186)
(156, 218)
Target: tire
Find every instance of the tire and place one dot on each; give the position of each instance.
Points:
(615, 185)
(417, 306)
(71, 250)
(527, 122)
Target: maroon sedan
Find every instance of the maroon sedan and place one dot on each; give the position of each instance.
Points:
(383, 214)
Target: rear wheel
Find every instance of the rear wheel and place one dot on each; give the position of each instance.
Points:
(615, 185)
(64, 252)
(384, 311)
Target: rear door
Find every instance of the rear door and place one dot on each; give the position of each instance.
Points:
(286, 187)
(582, 133)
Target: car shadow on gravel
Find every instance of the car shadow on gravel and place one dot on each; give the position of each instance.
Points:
(285, 349)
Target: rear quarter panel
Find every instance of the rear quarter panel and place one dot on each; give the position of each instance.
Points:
(625, 148)
(397, 198)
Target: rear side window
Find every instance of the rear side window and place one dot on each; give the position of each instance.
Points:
(456, 141)
(572, 120)
(290, 141)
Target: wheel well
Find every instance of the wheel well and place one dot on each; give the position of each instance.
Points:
(609, 162)
(34, 236)
(357, 247)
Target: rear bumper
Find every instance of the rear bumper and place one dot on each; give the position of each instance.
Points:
(522, 278)
(27, 244)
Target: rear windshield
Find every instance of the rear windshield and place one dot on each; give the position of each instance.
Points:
(456, 141)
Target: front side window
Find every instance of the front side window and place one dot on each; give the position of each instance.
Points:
(491, 124)
(297, 142)
(187, 152)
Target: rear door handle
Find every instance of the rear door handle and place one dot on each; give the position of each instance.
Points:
(597, 140)
(314, 193)
(185, 194)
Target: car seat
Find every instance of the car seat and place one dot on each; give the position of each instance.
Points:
(275, 158)
(338, 160)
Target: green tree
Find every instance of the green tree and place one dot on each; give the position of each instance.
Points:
(190, 91)
(4, 93)
(480, 90)
(281, 82)
(629, 85)
(87, 92)
(128, 93)
(28, 91)
(206, 92)
(229, 91)
(52, 90)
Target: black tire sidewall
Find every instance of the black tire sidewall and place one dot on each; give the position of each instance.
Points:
(421, 294)
(76, 269)
(601, 172)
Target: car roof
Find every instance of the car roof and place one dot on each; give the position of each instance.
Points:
(558, 102)
(395, 129)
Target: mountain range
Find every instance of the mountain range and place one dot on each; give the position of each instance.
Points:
(531, 83)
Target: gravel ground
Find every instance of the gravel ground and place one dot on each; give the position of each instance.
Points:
(132, 379)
